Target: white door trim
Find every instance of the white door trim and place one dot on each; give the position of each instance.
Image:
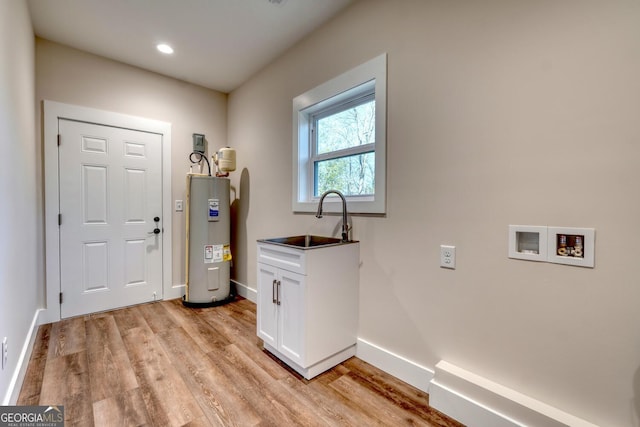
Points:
(54, 111)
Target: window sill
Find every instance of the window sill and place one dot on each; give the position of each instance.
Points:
(354, 207)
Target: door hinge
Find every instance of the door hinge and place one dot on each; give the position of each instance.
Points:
(60, 297)
(59, 138)
(59, 219)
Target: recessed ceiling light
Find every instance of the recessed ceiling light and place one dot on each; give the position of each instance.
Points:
(165, 48)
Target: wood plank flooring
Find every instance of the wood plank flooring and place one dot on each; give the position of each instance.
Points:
(162, 364)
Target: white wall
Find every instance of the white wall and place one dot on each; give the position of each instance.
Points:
(20, 222)
(71, 76)
(499, 112)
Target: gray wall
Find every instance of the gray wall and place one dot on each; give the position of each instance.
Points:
(71, 76)
(21, 247)
(499, 112)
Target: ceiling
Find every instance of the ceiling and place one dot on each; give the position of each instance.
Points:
(217, 44)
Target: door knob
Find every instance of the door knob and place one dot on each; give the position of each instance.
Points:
(155, 230)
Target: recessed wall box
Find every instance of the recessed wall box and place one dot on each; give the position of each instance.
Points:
(571, 246)
(528, 242)
(198, 143)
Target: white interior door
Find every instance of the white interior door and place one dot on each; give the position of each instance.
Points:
(110, 193)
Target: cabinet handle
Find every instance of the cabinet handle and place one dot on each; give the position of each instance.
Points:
(273, 291)
(278, 293)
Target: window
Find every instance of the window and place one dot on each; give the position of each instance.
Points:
(343, 148)
(340, 141)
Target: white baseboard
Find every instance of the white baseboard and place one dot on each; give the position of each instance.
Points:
(479, 402)
(15, 385)
(467, 397)
(246, 292)
(174, 292)
(401, 368)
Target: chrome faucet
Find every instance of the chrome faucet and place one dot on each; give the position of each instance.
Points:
(345, 226)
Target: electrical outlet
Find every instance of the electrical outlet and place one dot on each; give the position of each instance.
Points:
(179, 206)
(5, 352)
(448, 256)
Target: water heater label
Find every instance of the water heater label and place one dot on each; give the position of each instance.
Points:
(213, 253)
(208, 254)
(214, 209)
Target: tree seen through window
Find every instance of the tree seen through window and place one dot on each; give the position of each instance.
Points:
(345, 151)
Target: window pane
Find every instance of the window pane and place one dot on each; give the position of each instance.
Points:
(352, 176)
(348, 128)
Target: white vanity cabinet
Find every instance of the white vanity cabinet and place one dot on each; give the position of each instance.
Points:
(308, 304)
(280, 310)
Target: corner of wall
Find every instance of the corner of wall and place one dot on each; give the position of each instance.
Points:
(15, 385)
(245, 291)
(396, 365)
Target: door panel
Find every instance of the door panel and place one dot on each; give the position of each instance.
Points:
(110, 192)
(292, 315)
(94, 194)
(134, 186)
(95, 266)
(267, 309)
(134, 252)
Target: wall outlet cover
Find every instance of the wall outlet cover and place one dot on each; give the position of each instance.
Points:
(448, 256)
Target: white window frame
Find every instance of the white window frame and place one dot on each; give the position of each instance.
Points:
(355, 82)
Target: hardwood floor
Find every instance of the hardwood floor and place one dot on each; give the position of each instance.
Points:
(162, 364)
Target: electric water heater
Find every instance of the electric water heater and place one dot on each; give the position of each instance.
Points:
(208, 250)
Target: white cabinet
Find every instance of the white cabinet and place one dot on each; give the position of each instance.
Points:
(280, 301)
(308, 304)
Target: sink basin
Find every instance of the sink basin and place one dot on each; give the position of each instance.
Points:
(305, 242)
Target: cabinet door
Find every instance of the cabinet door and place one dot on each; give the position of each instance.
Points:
(291, 322)
(267, 309)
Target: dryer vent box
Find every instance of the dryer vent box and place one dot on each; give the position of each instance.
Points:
(528, 242)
